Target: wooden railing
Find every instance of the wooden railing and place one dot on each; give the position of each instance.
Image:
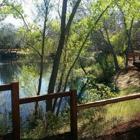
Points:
(14, 88)
(16, 101)
(108, 101)
(73, 106)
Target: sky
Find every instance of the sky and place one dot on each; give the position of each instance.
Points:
(27, 5)
(16, 22)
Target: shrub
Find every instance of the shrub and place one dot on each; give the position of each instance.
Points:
(46, 126)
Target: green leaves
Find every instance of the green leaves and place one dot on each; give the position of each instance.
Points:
(130, 10)
(10, 8)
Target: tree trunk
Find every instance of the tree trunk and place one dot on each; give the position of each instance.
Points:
(108, 43)
(42, 55)
(128, 34)
(64, 30)
(129, 44)
(70, 69)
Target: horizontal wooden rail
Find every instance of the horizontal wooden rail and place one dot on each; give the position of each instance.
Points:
(43, 97)
(108, 101)
(73, 106)
(5, 87)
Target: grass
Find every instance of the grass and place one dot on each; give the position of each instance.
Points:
(110, 116)
(124, 111)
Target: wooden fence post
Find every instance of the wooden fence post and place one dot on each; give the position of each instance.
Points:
(73, 114)
(15, 110)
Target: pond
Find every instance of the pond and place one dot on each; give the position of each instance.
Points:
(10, 70)
(7, 71)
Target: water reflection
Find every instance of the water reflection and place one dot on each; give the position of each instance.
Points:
(8, 69)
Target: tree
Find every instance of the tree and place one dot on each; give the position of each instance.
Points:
(82, 42)
(110, 47)
(130, 15)
(65, 28)
(8, 37)
(11, 7)
(70, 36)
(36, 38)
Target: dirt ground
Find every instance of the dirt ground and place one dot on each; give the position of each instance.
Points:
(124, 131)
(127, 77)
